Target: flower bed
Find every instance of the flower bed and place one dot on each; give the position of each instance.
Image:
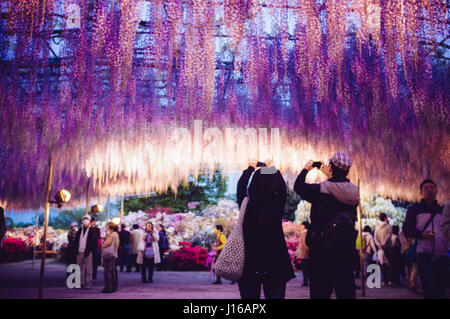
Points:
(195, 228)
(188, 257)
(191, 235)
(19, 242)
(13, 249)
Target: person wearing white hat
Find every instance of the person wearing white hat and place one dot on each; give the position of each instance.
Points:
(331, 237)
(85, 246)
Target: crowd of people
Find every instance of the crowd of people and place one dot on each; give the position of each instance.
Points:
(418, 251)
(329, 245)
(139, 249)
(331, 260)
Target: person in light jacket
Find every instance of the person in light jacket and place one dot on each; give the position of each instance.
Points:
(85, 245)
(135, 238)
(148, 252)
(370, 248)
(445, 224)
(382, 237)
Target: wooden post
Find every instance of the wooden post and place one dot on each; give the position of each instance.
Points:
(107, 209)
(121, 208)
(361, 251)
(34, 244)
(88, 189)
(47, 212)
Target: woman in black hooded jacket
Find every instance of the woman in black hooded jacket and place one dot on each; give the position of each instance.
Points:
(267, 260)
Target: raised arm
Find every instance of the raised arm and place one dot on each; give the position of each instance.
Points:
(308, 192)
(241, 191)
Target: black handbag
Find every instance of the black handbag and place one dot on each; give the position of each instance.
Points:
(334, 236)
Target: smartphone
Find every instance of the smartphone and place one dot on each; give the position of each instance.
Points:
(317, 164)
(260, 164)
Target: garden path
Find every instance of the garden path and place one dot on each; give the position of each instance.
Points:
(18, 280)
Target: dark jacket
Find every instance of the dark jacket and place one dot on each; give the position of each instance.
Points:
(124, 238)
(91, 242)
(416, 218)
(97, 236)
(327, 200)
(71, 238)
(162, 242)
(264, 241)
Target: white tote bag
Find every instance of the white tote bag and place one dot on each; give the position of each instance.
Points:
(108, 252)
(230, 263)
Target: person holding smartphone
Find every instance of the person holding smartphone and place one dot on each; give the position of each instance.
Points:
(149, 253)
(333, 202)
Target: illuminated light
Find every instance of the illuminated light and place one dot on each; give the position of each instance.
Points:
(62, 196)
(116, 221)
(97, 208)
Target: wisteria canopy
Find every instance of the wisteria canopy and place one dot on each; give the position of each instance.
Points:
(98, 86)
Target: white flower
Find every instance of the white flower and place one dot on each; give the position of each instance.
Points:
(371, 208)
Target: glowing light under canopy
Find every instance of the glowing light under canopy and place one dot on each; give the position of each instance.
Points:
(116, 220)
(62, 196)
(100, 86)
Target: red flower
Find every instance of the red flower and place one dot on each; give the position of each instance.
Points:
(14, 249)
(188, 257)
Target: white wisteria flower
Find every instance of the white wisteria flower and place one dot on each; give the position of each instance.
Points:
(371, 208)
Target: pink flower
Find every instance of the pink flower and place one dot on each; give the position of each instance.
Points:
(192, 205)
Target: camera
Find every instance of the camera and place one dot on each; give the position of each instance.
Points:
(317, 164)
(261, 164)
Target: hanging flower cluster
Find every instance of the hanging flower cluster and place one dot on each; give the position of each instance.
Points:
(99, 86)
